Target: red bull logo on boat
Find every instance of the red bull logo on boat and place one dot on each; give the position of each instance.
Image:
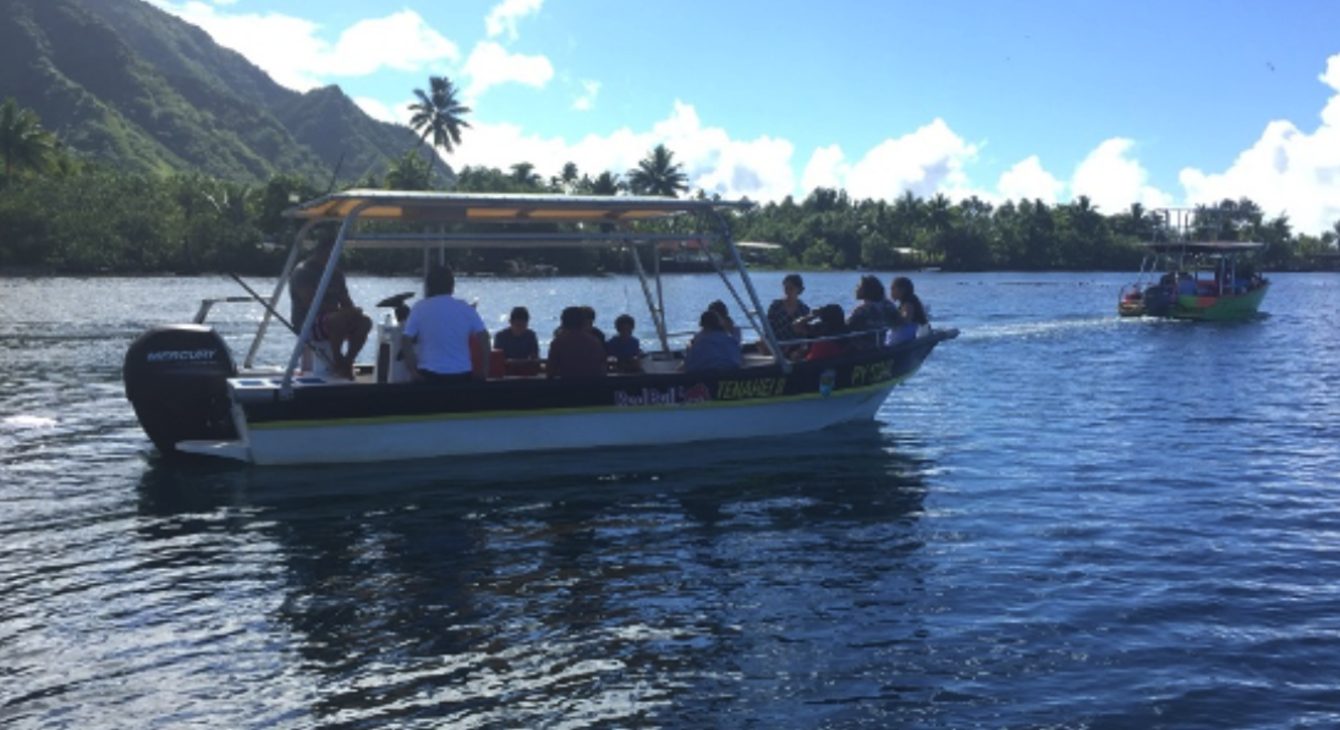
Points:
(676, 396)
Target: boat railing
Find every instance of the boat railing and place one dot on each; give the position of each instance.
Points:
(878, 338)
(202, 313)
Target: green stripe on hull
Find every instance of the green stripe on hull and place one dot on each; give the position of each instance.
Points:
(1219, 309)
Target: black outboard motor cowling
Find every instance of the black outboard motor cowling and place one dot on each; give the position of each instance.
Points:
(176, 379)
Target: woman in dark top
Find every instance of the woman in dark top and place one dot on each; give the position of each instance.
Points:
(575, 352)
(827, 321)
(874, 314)
(911, 310)
(783, 313)
(727, 323)
(909, 304)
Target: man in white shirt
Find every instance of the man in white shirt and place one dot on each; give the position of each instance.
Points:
(447, 338)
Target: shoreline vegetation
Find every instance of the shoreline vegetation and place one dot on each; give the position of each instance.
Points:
(64, 215)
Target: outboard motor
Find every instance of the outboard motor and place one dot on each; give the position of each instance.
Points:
(397, 303)
(388, 339)
(1159, 299)
(176, 379)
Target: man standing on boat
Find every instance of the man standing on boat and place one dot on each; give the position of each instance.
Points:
(447, 338)
(338, 321)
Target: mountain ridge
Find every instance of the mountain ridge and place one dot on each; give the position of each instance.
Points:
(126, 84)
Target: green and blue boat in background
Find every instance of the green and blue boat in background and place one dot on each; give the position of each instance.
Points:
(1197, 280)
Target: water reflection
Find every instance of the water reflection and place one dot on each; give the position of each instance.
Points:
(646, 585)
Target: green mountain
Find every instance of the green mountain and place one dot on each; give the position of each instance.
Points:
(128, 85)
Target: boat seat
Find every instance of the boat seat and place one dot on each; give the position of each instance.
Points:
(318, 366)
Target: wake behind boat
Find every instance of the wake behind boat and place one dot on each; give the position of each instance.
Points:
(191, 398)
(1181, 278)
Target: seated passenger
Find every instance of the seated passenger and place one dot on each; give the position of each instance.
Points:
(826, 321)
(519, 345)
(783, 313)
(575, 353)
(338, 321)
(1248, 279)
(447, 339)
(727, 324)
(591, 327)
(712, 348)
(589, 313)
(874, 314)
(915, 322)
(624, 347)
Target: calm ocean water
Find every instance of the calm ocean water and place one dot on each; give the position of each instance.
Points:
(1066, 520)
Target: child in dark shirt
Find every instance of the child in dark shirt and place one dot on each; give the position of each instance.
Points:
(624, 347)
(519, 344)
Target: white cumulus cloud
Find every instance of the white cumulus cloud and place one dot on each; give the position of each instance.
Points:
(377, 110)
(490, 65)
(292, 51)
(1027, 180)
(1113, 180)
(1287, 171)
(759, 168)
(503, 17)
(587, 99)
(402, 41)
(926, 161)
(827, 168)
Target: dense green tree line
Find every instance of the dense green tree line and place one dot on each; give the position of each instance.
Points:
(56, 215)
(829, 229)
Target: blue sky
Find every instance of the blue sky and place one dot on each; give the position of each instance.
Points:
(1161, 103)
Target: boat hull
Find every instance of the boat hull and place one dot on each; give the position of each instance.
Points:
(373, 440)
(1219, 309)
(323, 424)
(1155, 302)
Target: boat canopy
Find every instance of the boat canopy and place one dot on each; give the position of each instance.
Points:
(1209, 248)
(438, 220)
(595, 219)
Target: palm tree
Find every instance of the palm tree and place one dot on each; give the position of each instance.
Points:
(606, 183)
(976, 210)
(1139, 223)
(939, 213)
(523, 174)
(23, 142)
(658, 174)
(406, 174)
(439, 114)
(569, 177)
(908, 211)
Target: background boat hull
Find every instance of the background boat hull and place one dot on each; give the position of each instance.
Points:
(1219, 309)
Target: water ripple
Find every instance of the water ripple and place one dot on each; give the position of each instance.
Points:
(1066, 520)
